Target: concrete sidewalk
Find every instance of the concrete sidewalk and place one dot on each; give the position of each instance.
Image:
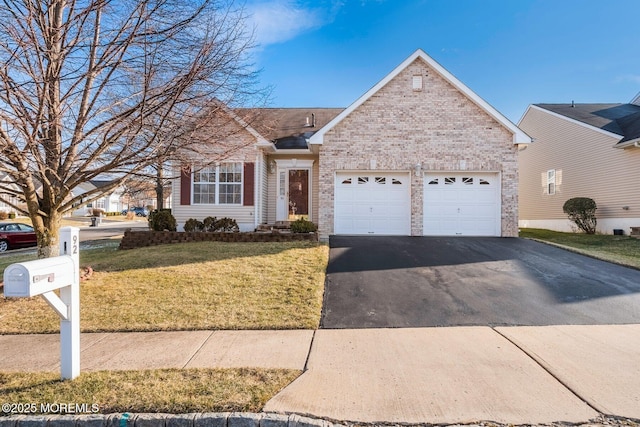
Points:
(518, 375)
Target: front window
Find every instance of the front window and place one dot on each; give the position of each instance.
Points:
(551, 182)
(218, 185)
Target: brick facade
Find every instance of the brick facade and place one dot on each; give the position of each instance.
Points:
(438, 126)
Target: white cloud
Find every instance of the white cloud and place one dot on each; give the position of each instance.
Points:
(276, 21)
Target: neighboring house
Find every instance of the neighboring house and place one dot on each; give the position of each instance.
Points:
(581, 150)
(418, 154)
(110, 202)
(8, 194)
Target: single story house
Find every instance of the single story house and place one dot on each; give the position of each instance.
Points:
(581, 150)
(110, 202)
(418, 154)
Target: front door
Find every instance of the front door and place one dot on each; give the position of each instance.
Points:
(293, 193)
(298, 194)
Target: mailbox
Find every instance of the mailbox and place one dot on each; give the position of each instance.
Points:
(31, 278)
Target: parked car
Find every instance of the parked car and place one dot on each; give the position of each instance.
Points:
(137, 210)
(16, 235)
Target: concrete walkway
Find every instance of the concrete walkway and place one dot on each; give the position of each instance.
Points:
(518, 375)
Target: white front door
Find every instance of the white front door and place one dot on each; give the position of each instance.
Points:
(372, 203)
(461, 204)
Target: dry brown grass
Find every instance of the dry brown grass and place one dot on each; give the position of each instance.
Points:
(159, 391)
(208, 285)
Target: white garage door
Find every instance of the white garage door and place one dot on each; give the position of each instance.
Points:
(372, 203)
(461, 204)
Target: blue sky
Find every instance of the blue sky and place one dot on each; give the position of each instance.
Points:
(327, 53)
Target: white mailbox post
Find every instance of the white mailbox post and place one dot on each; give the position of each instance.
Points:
(43, 277)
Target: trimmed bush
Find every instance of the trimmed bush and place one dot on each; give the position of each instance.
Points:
(301, 225)
(193, 224)
(226, 224)
(209, 223)
(582, 211)
(162, 220)
(4, 215)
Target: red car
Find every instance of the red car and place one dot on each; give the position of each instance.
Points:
(16, 235)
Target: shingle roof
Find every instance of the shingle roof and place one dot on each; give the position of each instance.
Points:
(288, 128)
(621, 119)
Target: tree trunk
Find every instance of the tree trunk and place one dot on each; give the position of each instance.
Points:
(159, 188)
(47, 232)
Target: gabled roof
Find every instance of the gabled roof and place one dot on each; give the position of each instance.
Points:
(519, 137)
(288, 128)
(621, 120)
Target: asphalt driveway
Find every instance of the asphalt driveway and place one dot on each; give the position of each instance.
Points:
(378, 282)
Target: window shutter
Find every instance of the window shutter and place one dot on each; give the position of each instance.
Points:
(249, 182)
(185, 185)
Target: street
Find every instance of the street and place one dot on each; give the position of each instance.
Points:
(108, 229)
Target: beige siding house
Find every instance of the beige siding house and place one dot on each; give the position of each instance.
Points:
(581, 150)
(418, 154)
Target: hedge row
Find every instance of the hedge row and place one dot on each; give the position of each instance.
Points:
(139, 239)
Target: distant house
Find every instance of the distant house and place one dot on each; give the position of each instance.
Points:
(8, 192)
(581, 150)
(418, 154)
(111, 202)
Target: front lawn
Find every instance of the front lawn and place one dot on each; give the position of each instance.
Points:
(190, 286)
(173, 391)
(208, 285)
(623, 250)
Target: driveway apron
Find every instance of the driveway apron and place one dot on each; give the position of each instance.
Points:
(375, 282)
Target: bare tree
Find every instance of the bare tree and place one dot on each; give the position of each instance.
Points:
(95, 87)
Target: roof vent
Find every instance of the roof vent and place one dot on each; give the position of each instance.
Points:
(417, 83)
(311, 123)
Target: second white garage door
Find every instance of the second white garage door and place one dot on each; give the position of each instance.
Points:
(461, 204)
(372, 203)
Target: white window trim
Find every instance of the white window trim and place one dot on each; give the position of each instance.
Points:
(217, 186)
(551, 182)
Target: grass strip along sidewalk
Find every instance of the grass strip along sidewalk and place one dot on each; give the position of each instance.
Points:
(191, 286)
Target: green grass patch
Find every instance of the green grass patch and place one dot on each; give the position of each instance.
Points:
(171, 391)
(623, 250)
(190, 286)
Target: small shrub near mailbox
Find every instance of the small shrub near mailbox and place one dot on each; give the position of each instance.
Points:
(582, 211)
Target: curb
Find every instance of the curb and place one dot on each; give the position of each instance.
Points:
(246, 419)
(218, 419)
